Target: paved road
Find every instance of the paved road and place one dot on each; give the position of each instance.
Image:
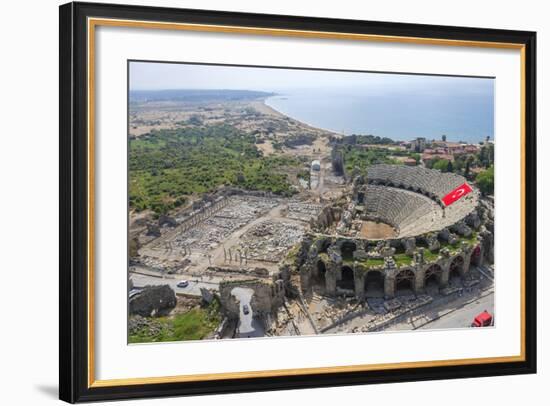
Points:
(140, 280)
(464, 316)
(317, 178)
(248, 326)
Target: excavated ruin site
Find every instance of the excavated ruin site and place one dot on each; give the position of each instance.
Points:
(367, 253)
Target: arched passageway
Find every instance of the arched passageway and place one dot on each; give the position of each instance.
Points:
(347, 282)
(374, 284)
(347, 249)
(432, 278)
(404, 282)
(456, 269)
(324, 246)
(321, 272)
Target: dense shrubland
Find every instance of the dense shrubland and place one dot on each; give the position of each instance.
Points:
(165, 166)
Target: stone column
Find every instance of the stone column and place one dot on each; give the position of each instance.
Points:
(466, 265)
(481, 255)
(389, 287)
(444, 281)
(330, 280)
(338, 271)
(305, 277)
(418, 280)
(359, 279)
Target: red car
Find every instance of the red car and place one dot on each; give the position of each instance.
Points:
(483, 319)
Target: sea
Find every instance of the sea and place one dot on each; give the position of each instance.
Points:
(463, 110)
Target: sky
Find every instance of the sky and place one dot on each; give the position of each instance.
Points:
(161, 76)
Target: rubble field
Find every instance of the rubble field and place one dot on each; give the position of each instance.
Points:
(214, 230)
(270, 240)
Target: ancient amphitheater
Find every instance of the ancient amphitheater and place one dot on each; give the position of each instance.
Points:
(409, 198)
(429, 243)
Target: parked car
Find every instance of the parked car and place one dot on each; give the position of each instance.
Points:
(246, 309)
(183, 284)
(483, 319)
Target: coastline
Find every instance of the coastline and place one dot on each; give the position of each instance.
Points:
(265, 108)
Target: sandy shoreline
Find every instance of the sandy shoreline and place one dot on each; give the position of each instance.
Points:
(264, 108)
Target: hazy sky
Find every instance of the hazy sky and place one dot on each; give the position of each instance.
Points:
(150, 75)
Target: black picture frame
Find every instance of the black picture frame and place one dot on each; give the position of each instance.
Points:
(74, 200)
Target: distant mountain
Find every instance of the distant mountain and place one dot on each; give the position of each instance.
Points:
(195, 95)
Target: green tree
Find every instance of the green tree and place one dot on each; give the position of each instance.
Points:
(170, 164)
(441, 165)
(485, 180)
(459, 163)
(194, 120)
(450, 167)
(487, 155)
(443, 138)
(469, 162)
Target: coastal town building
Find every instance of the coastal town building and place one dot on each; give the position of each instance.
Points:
(419, 144)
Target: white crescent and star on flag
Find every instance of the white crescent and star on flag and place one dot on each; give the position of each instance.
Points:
(456, 194)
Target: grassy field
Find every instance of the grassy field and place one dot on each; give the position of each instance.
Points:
(402, 259)
(368, 262)
(166, 166)
(471, 240)
(196, 324)
(375, 262)
(405, 260)
(430, 256)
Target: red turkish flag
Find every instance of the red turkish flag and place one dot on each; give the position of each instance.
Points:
(456, 194)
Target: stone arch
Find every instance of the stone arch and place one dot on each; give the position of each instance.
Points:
(347, 280)
(404, 281)
(323, 246)
(321, 272)
(432, 276)
(347, 248)
(456, 268)
(374, 283)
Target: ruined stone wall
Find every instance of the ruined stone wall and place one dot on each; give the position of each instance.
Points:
(338, 167)
(328, 216)
(267, 297)
(328, 250)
